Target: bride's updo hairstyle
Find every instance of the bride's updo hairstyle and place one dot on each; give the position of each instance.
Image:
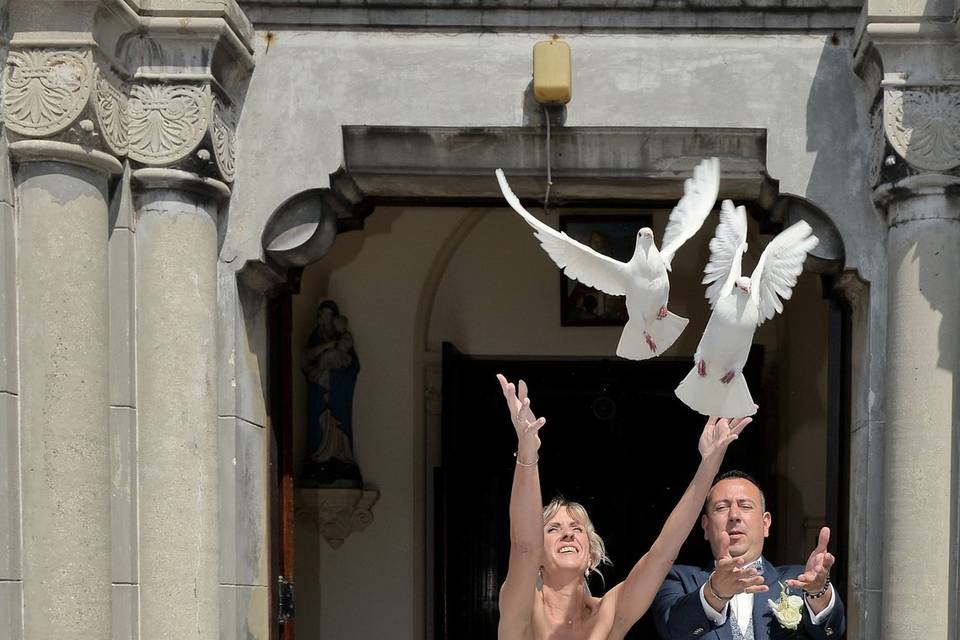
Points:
(598, 551)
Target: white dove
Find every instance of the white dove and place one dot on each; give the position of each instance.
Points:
(650, 328)
(715, 386)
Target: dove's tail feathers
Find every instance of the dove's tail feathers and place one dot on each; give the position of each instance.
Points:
(641, 341)
(633, 343)
(710, 397)
(665, 331)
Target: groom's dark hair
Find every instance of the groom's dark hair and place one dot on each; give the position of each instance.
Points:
(736, 474)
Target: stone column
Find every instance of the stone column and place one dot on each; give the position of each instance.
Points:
(65, 465)
(923, 354)
(179, 122)
(62, 229)
(908, 54)
(176, 266)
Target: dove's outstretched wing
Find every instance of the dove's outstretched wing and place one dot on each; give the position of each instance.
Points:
(699, 196)
(726, 249)
(778, 268)
(578, 261)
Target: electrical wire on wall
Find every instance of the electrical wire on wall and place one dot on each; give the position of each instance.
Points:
(546, 196)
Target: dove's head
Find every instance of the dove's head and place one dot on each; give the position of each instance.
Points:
(570, 543)
(743, 284)
(645, 237)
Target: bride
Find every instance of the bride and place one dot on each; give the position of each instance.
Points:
(553, 550)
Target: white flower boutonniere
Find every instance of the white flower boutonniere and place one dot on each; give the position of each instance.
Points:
(787, 609)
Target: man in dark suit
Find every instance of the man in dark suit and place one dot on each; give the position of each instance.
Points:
(732, 601)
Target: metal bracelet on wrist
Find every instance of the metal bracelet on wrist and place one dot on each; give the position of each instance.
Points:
(525, 464)
(714, 591)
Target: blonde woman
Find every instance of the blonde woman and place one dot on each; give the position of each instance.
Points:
(553, 550)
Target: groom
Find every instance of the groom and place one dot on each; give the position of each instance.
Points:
(731, 601)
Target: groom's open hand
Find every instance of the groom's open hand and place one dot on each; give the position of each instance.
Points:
(730, 577)
(814, 578)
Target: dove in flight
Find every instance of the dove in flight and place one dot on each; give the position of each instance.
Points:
(715, 386)
(651, 329)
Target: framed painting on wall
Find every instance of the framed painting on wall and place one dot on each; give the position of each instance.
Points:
(613, 236)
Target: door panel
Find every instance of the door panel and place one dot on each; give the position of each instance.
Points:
(616, 440)
(280, 472)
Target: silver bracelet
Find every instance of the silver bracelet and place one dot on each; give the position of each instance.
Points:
(525, 464)
(714, 591)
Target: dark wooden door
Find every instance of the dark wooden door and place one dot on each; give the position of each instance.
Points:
(280, 472)
(616, 440)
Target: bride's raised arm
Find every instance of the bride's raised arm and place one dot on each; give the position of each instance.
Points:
(526, 517)
(634, 595)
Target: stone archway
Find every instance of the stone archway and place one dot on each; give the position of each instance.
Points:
(385, 166)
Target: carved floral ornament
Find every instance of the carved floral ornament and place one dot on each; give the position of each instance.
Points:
(155, 123)
(223, 127)
(166, 122)
(44, 90)
(923, 125)
(112, 97)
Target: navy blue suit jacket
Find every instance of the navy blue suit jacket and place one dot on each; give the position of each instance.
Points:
(678, 612)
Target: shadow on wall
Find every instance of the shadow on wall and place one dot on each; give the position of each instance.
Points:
(833, 127)
(839, 133)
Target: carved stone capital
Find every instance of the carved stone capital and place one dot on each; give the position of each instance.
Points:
(923, 125)
(73, 96)
(45, 90)
(223, 136)
(112, 96)
(336, 513)
(161, 83)
(166, 122)
(907, 53)
(162, 124)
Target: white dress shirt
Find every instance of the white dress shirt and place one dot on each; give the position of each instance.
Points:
(742, 604)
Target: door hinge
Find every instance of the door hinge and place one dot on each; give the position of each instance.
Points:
(285, 599)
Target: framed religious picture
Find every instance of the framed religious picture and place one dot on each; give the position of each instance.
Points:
(613, 236)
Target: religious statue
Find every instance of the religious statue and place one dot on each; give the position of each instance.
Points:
(329, 363)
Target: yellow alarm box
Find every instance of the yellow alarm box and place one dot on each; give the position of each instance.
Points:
(551, 72)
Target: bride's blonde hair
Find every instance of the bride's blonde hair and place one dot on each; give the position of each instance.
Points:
(598, 551)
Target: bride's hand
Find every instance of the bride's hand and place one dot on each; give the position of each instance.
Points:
(526, 424)
(718, 434)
